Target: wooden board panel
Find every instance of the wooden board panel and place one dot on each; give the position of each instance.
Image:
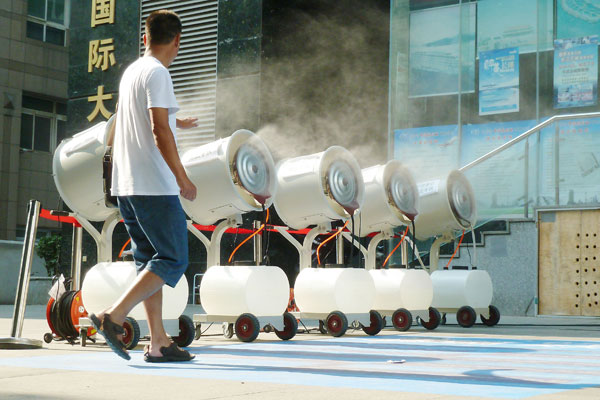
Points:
(590, 263)
(559, 259)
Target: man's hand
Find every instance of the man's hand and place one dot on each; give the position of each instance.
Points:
(187, 123)
(187, 188)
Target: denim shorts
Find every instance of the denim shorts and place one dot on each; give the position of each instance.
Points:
(158, 230)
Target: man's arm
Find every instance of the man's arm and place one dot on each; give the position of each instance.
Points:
(163, 137)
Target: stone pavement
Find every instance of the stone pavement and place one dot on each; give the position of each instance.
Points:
(522, 358)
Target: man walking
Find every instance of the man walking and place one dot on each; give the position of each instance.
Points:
(147, 179)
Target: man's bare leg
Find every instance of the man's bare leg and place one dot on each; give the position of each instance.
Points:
(145, 285)
(158, 336)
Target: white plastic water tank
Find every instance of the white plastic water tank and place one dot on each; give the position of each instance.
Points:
(105, 282)
(233, 175)
(395, 288)
(391, 198)
(457, 288)
(316, 188)
(323, 290)
(77, 171)
(446, 204)
(234, 290)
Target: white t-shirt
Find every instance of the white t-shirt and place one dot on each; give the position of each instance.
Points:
(138, 166)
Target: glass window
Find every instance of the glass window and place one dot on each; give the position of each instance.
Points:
(577, 19)
(38, 104)
(434, 51)
(27, 132)
(47, 20)
(533, 59)
(35, 30)
(61, 131)
(41, 134)
(36, 8)
(56, 11)
(55, 36)
(43, 124)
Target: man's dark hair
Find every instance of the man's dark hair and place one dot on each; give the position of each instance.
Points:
(162, 26)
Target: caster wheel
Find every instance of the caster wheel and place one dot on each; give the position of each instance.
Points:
(187, 332)
(227, 330)
(83, 334)
(494, 317)
(198, 330)
(247, 327)
(466, 316)
(434, 319)
(402, 319)
(268, 329)
(443, 319)
(132, 333)
(336, 323)
(322, 328)
(290, 327)
(376, 324)
(48, 337)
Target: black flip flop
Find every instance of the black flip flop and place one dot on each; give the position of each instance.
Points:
(109, 330)
(169, 354)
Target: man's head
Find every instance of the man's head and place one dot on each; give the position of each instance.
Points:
(162, 27)
(163, 34)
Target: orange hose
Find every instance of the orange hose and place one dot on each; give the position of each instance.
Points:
(328, 239)
(123, 248)
(396, 248)
(249, 237)
(456, 249)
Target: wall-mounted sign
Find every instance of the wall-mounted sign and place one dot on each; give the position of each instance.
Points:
(576, 72)
(499, 81)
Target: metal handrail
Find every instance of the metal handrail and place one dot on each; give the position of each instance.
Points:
(525, 135)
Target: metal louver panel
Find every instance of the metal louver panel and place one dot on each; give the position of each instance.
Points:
(194, 71)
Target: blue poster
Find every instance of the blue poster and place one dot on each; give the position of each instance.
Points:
(499, 81)
(427, 151)
(499, 182)
(578, 163)
(512, 23)
(577, 18)
(576, 72)
(480, 139)
(436, 40)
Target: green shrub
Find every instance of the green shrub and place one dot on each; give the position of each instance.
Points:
(48, 248)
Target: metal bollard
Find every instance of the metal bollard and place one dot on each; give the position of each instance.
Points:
(76, 258)
(15, 341)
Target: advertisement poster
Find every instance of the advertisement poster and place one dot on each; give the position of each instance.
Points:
(435, 48)
(577, 18)
(576, 72)
(578, 163)
(512, 23)
(429, 151)
(499, 81)
(499, 182)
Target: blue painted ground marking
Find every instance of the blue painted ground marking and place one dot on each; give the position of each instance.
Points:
(495, 367)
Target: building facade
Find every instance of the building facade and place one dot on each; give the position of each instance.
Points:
(34, 38)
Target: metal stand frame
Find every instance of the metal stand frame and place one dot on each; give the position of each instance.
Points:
(15, 341)
(213, 251)
(305, 254)
(434, 256)
(370, 254)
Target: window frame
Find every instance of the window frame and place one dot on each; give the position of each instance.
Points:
(54, 117)
(45, 23)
